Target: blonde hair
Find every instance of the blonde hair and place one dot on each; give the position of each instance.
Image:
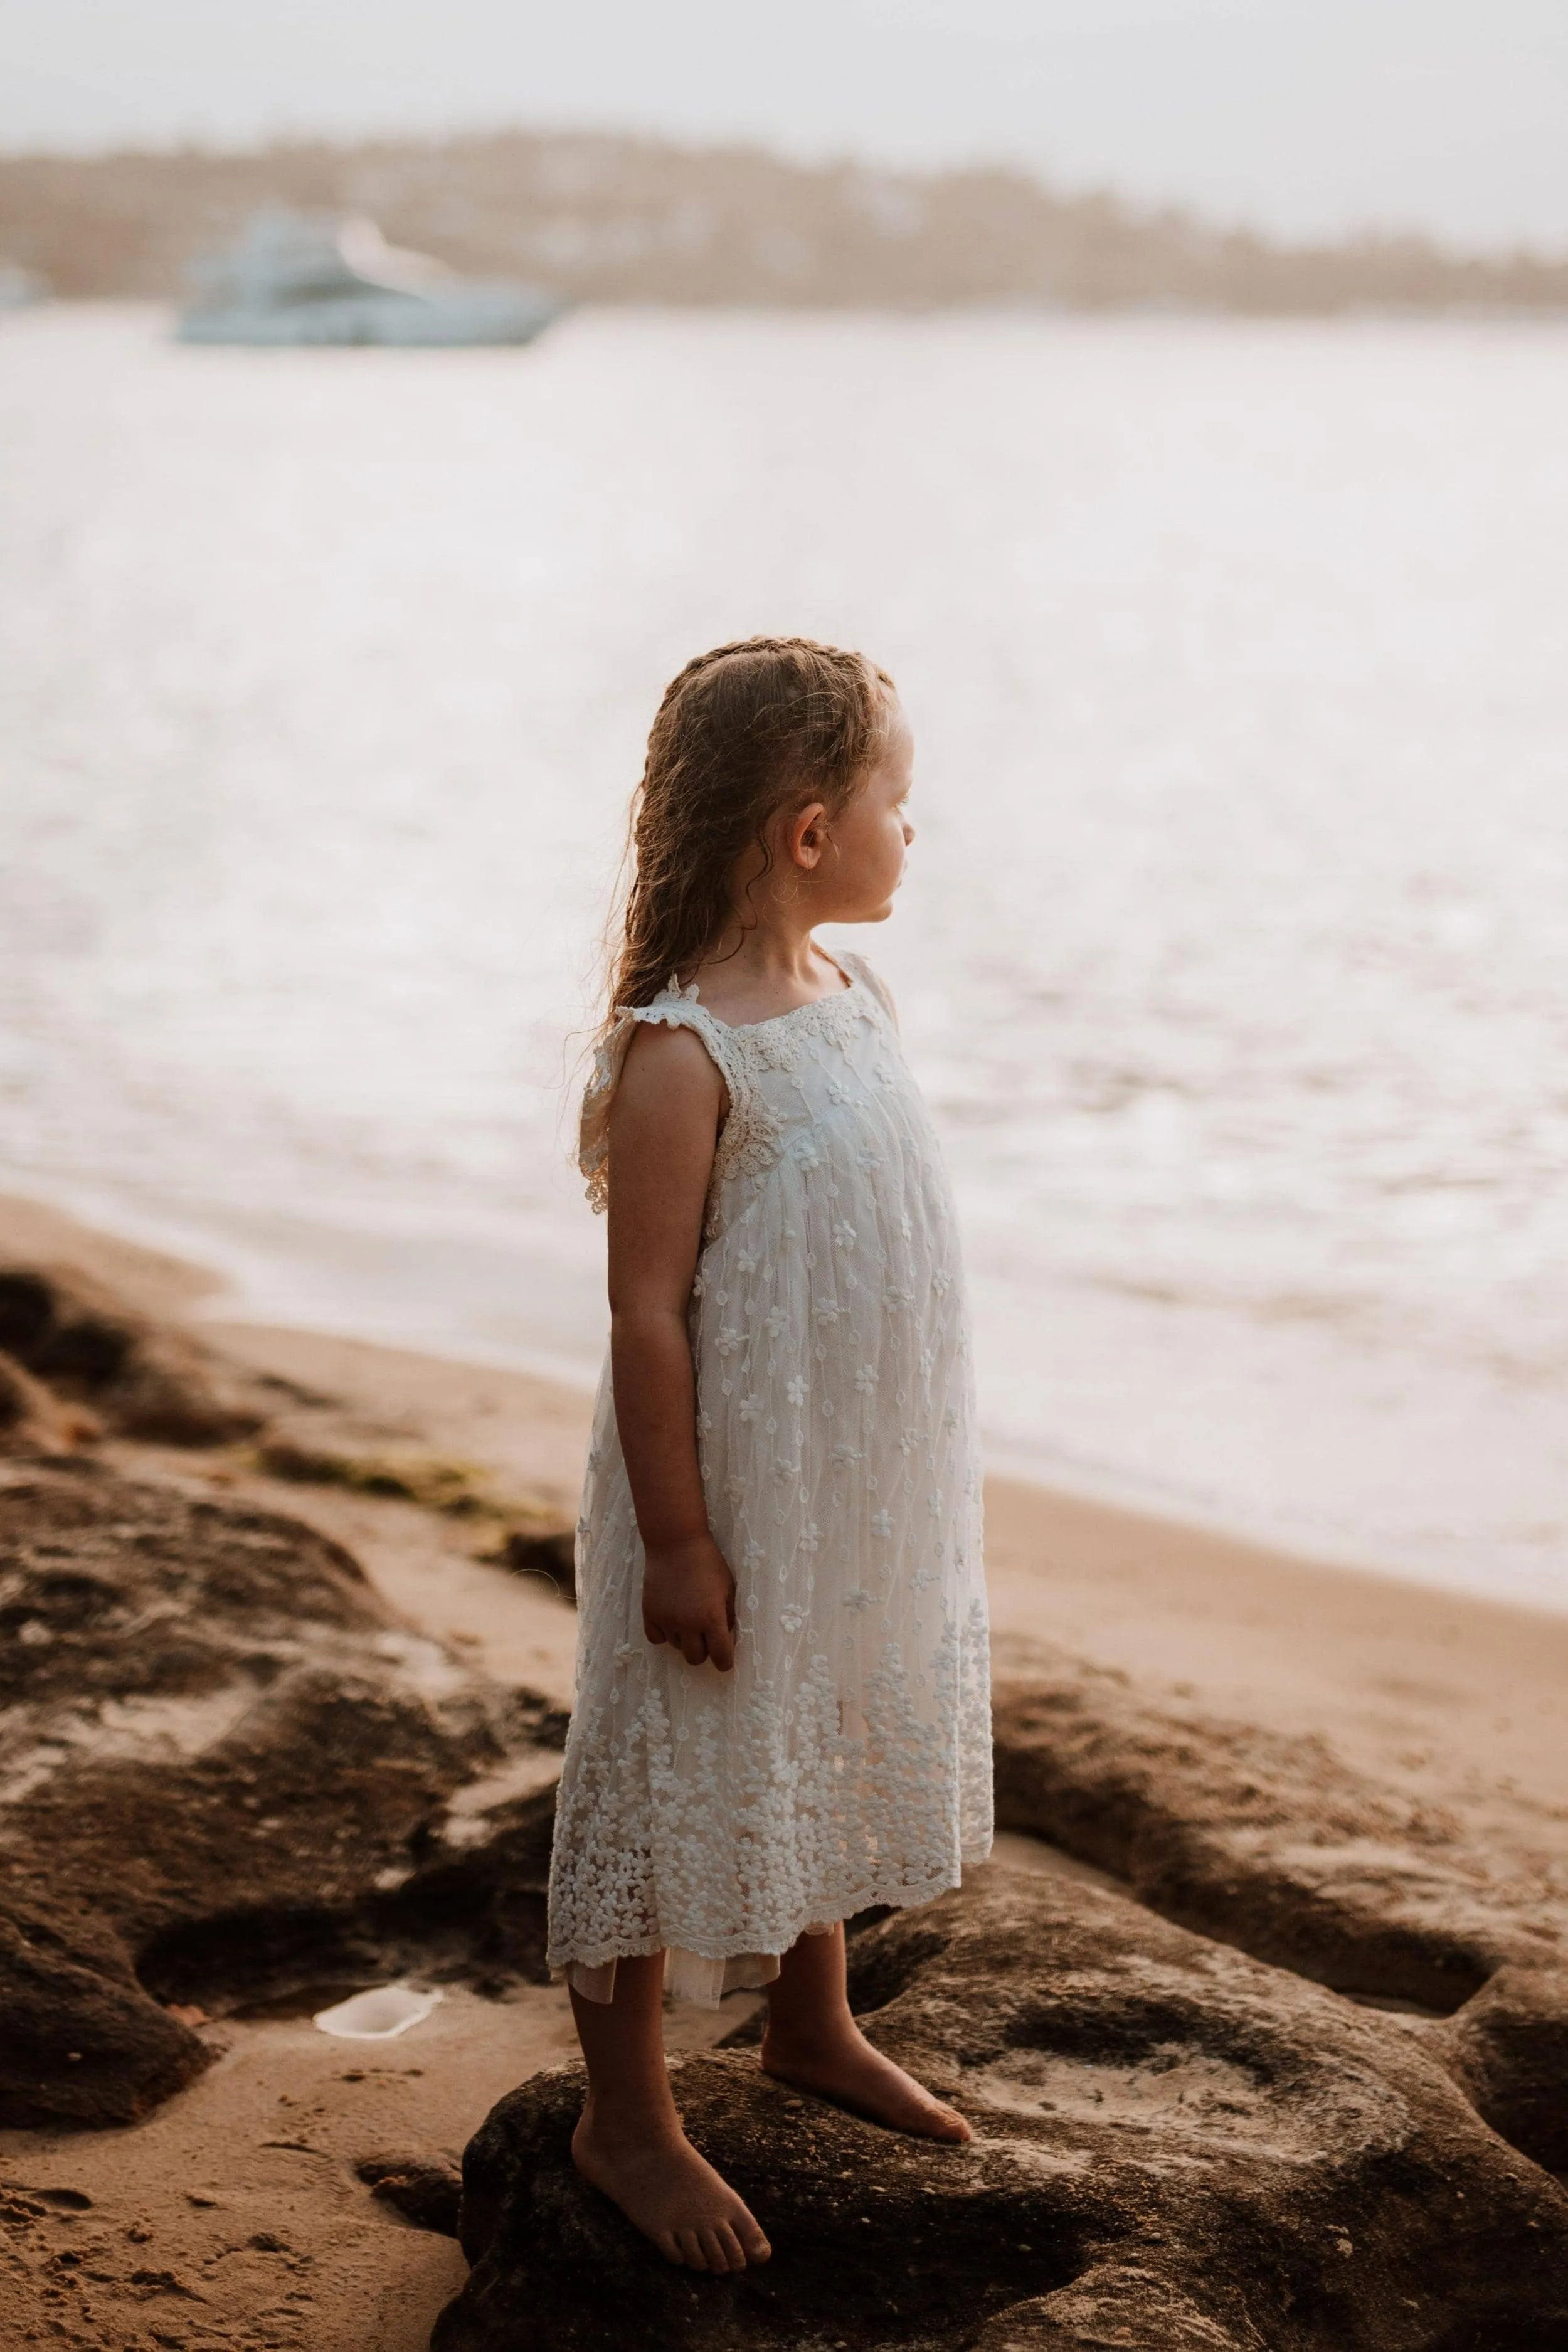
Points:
(743, 732)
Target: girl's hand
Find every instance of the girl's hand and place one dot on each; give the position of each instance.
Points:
(689, 1598)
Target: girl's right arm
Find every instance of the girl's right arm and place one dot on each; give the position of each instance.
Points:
(663, 1131)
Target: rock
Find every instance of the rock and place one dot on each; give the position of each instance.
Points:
(34, 1421)
(1178, 2149)
(550, 1553)
(1274, 1844)
(1267, 1842)
(227, 1773)
(409, 1474)
(1508, 2049)
(83, 2043)
(328, 1449)
(425, 2189)
(143, 1379)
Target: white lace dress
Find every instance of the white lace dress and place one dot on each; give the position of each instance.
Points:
(846, 1759)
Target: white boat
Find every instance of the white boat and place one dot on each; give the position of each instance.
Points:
(293, 279)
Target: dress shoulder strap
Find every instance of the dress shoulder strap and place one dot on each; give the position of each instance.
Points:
(871, 981)
(675, 1008)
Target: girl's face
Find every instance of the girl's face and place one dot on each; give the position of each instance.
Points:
(855, 861)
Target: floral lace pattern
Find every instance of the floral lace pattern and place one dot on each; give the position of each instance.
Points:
(846, 1759)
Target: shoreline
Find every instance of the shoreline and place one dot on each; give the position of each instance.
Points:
(1400, 1672)
(248, 1281)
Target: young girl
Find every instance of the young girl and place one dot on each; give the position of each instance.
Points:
(783, 1705)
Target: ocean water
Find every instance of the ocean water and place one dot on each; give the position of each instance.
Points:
(1234, 951)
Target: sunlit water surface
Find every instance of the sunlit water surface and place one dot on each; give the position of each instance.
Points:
(1234, 952)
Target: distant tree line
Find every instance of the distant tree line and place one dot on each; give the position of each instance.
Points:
(610, 220)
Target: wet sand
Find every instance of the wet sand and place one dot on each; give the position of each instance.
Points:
(234, 2216)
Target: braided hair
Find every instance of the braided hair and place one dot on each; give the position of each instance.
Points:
(743, 732)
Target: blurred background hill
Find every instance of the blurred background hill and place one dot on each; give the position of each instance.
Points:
(609, 218)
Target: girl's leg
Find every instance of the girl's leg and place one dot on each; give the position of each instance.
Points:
(630, 2144)
(813, 2041)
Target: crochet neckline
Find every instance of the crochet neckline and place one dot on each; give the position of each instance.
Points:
(747, 1028)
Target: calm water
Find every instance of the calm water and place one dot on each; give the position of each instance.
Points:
(1235, 949)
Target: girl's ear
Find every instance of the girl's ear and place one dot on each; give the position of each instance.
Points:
(805, 836)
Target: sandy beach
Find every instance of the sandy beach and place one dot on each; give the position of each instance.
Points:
(233, 2213)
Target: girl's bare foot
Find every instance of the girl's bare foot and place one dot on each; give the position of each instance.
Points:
(837, 2062)
(669, 2193)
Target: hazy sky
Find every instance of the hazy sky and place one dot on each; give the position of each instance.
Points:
(1450, 115)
